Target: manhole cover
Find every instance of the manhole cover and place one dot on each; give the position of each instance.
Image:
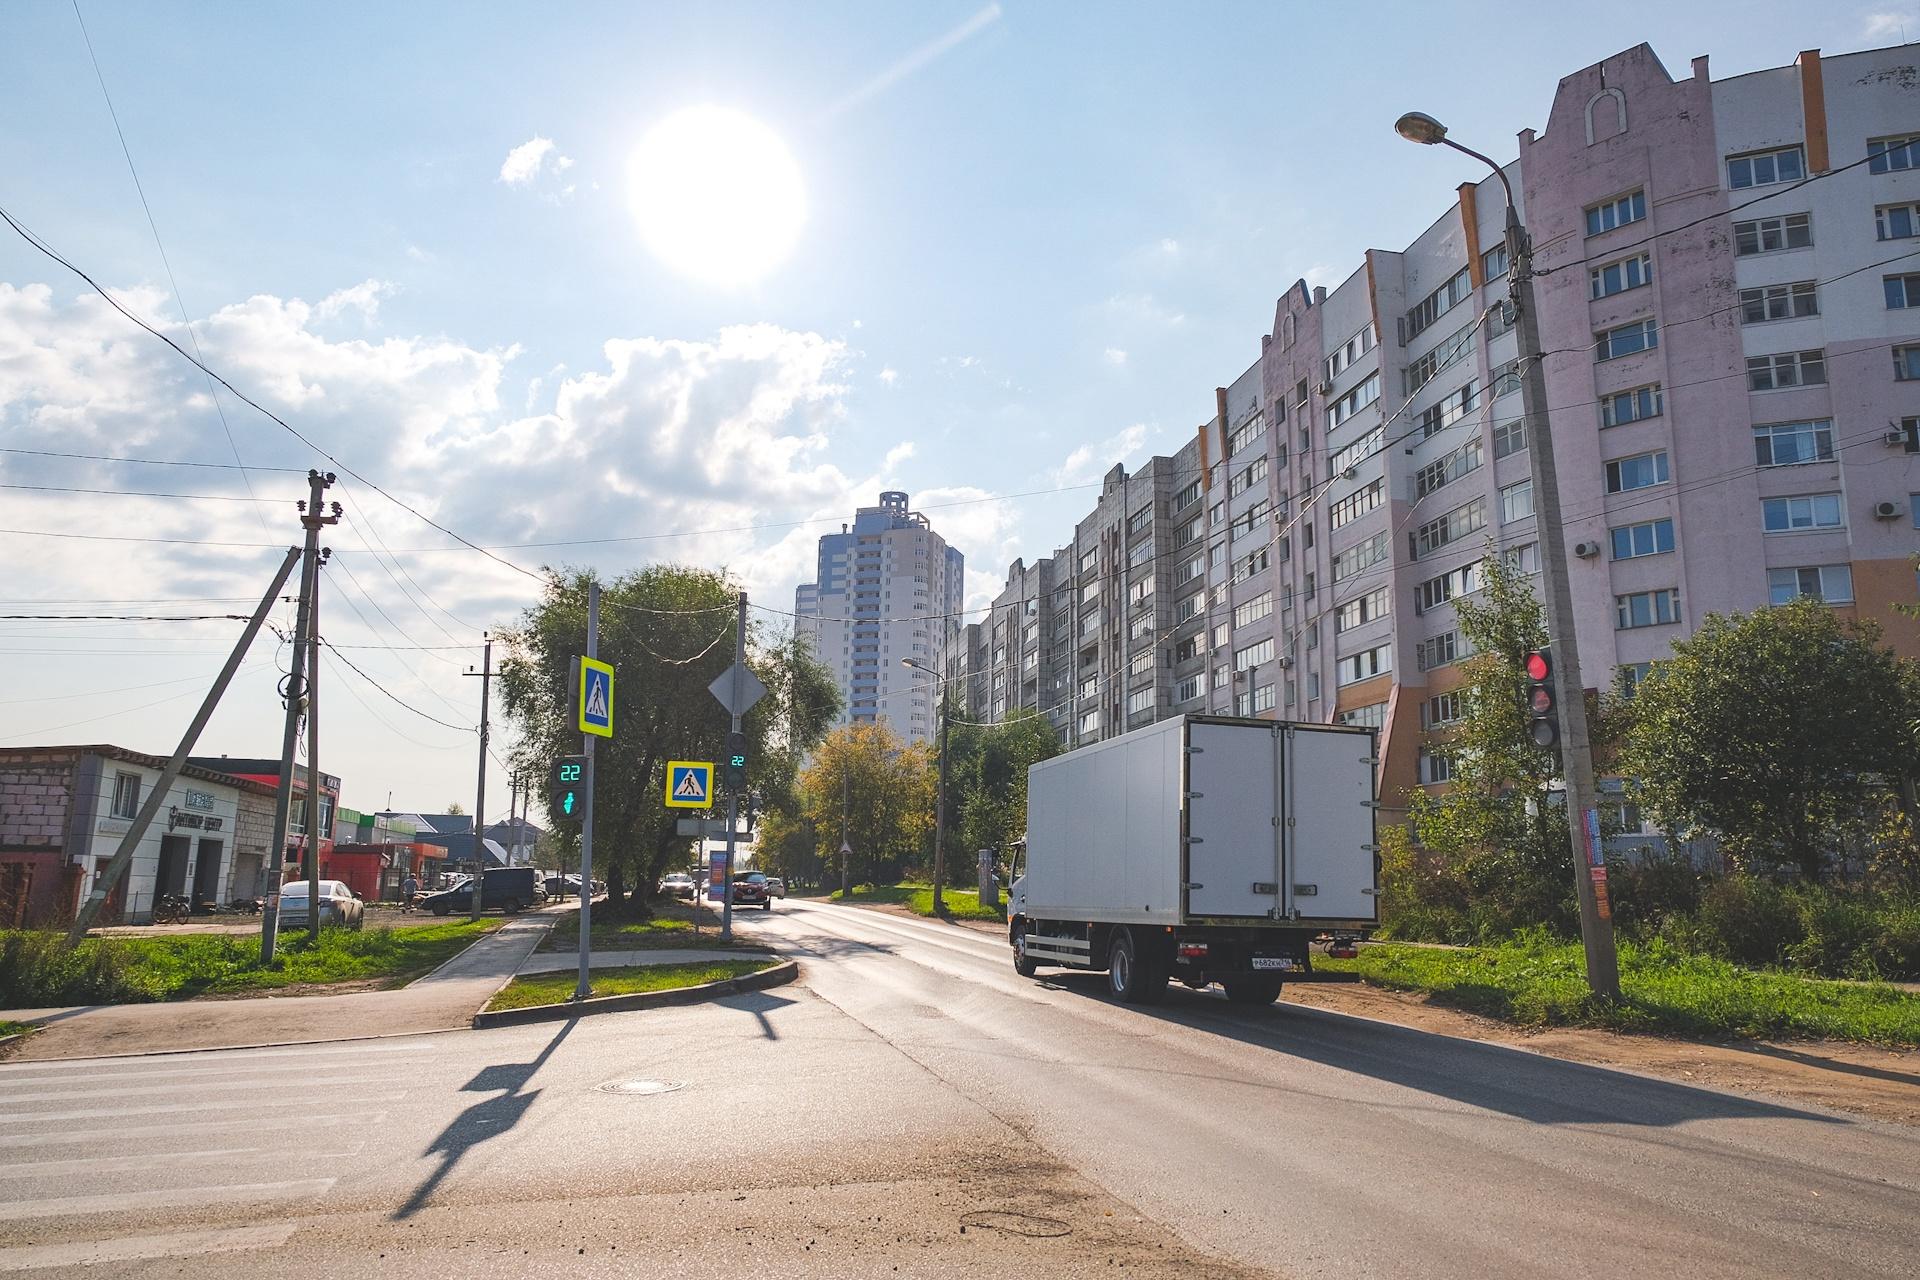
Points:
(642, 1087)
(1017, 1224)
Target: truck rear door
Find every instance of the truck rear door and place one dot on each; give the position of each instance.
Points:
(1233, 792)
(1330, 830)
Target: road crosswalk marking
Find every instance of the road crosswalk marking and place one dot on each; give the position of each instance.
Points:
(173, 1244)
(73, 1137)
(141, 1090)
(174, 1108)
(164, 1198)
(154, 1159)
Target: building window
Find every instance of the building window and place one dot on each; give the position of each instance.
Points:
(1787, 444)
(1089, 560)
(1253, 655)
(1438, 474)
(1360, 556)
(1090, 721)
(1618, 277)
(1641, 471)
(1832, 583)
(1646, 609)
(1253, 610)
(1140, 519)
(1625, 340)
(1186, 533)
(1771, 235)
(1188, 571)
(1363, 665)
(1494, 263)
(1421, 369)
(1140, 699)
(1439, 302)
(1187, 496)
(1631, 406)
(1758, 168)
(1250, 520)
(1896, 221)
(1906, 364)
(126, 795)
(1443, 709)
(1910, 428)
(1354, 401)
(1631, 207)
(1190, 688)
(1457, 523)
(1902, 291)
(1631, 676)
(1437, 651)
(1255, 563)
(1884, 155)
(1357, 452)
(1779, 302)
(1791, 369)
(1351, 350)
(1436, 591)
(1435, 767)
(1524, 558)
(1509, 437)
(1361, 610)
(1371, 716)
(1245, 434)
(1516, 502)
(1250, 475)
(1648, 538)
(1803, 512)
(1357, 504)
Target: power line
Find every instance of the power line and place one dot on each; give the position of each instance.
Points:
(148, 462)
(395, 698)
(124, 617)
(335, 661)
(118, 537)
(142, 493)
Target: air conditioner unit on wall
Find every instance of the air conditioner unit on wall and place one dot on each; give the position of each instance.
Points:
(1897, 436)
(1586, 550)
(1886, 510)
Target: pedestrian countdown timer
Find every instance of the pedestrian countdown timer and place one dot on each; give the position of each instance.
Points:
(568, 793)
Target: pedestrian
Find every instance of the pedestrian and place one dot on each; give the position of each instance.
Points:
(409, 890)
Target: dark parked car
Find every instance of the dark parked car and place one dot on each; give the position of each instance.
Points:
(507, 889)
(749, 889)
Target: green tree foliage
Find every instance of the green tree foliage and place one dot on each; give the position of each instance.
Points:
(1777, 732)
(1490, 856)
(987, 786)
(667, 630)
(888, 791)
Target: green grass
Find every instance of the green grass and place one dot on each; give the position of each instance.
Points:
(37, 969)
(1538, 982)
(14, 1028)
(962, 904)
(557, 988)
(672, 927)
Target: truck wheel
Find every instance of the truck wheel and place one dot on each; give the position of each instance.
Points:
(1133, 975)
(1023, 965)
(1252, 989)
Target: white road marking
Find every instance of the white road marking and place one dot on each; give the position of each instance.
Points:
(176, 1244)
(164, 1198)
(172, 1109)
(147, 1090)
(155, 1159)
(206, 1057)
(73, 1137)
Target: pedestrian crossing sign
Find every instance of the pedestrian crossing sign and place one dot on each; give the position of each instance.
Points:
(596, 698)
(689, 784)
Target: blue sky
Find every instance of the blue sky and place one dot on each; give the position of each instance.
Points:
(1032, 249)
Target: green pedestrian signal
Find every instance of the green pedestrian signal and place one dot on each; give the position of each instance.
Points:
(568, 794)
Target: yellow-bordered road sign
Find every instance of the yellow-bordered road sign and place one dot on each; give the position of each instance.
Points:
(689, 784)
(596, 698)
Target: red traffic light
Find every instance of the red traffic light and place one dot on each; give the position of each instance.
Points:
(1539, 665)
(1542, 700)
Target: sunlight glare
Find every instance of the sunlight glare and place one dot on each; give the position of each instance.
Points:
(717, 195)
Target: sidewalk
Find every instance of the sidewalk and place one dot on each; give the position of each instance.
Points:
(445, 999)
(554, 961)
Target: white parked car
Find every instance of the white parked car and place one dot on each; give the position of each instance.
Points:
(338, 905)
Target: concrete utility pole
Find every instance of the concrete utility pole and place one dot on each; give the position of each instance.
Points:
(846, 847)
(583, 985)
(315, 791)
(485, 674)
(294, 693)
(123, 856)
(1576, 747)
(940, 793)
(733, 797)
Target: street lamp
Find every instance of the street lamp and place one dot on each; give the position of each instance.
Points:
(940, 793)
(1583, 818)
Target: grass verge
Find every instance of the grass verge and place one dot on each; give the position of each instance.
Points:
(37, 969)
(1537, 982)
(557, 987)
(13, 1028)
(672, 926)
(962, 904)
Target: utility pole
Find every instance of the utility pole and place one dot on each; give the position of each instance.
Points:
(313, 518)
(123, 856)
(1583, 817)
(846, 847)
(315, 791)
(480, 796)
(583, 986)
(940, 792)
(733, 796)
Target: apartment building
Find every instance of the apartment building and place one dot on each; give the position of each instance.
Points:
(887, 588)
(1729, 295)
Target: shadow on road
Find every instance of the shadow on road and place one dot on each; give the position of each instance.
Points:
(485, 1119)
(1527, 1086)
(759, 1004)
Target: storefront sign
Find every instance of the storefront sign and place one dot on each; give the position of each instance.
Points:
(201, 800)
(176, 819)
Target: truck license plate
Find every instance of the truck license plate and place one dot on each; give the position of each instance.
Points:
(1272, 962)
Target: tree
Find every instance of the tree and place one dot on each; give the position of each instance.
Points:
(1493, 847)
(987, 784)
(455, 808)
(667, 630)
(1775, 732)
(888, 791)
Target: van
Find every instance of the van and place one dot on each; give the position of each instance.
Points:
(508, 889)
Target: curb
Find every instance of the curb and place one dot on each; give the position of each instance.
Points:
(779, 975)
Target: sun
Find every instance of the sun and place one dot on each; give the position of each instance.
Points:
(717, 195)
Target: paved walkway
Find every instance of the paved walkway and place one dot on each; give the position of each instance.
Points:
(554, 961)
(446, 998)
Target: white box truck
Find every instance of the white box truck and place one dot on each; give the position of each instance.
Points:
(1200, 849)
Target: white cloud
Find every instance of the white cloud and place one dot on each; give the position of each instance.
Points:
(1091, 461)
(888, 375)
(1144, 310)
(528, 161)
(1116, 356)
(363, 297)
(1169, 246)
(1890, 25)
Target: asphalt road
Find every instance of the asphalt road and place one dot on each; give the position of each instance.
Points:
(913, 1104)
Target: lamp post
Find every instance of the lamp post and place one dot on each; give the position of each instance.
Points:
(1583, 821)
(940, 793)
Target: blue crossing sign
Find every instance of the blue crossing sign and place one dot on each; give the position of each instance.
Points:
(689, 784)
(596, 698)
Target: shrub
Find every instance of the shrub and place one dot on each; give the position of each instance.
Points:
(1650, 888)
(1746, 919)
(37, 969)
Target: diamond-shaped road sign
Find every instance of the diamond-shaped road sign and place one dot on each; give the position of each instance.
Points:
(737, 689)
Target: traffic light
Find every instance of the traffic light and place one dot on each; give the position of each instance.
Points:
(569, 788)
(734, 769)
(1543, 721)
